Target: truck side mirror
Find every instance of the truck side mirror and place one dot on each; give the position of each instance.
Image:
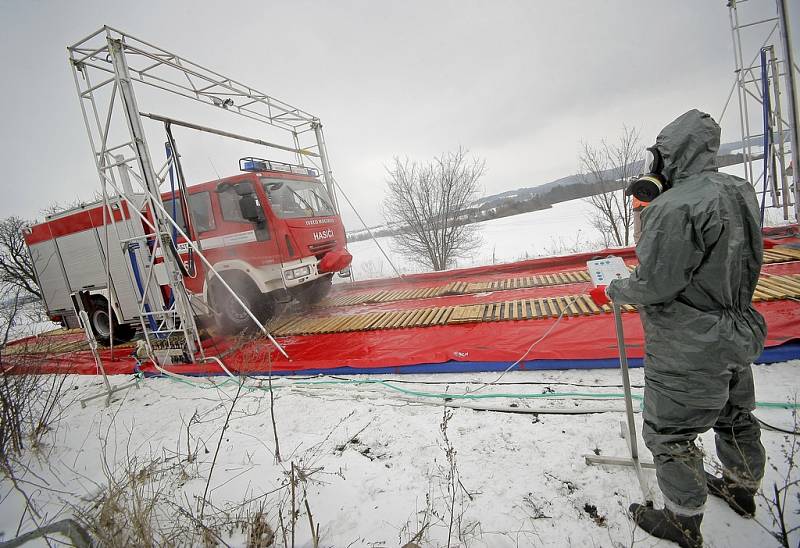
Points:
(251, 209)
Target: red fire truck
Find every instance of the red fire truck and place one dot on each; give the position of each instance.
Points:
(272, 232)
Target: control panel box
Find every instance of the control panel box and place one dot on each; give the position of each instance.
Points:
(604, 271)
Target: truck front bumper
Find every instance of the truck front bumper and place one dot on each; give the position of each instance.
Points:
(299, 272)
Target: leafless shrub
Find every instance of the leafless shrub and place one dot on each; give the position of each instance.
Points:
(446, 501)
(258, 353)
(429, 200)
(141, 506)
(139, 503)
(244, 523)
(260, 534)
(456, 497)
(776, 496)
(415, 531)
(219, 444)
(607, 168)
(29, 405)
(10, 312)
(16, 267)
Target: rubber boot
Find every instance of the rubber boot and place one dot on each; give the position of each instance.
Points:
(684, 530)
(740, 499)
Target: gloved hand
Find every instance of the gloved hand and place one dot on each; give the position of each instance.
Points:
(769, 243)
(598, 295)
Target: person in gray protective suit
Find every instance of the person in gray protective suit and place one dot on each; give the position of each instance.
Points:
(700, 255)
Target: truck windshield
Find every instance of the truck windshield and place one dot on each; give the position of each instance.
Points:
(291, 198)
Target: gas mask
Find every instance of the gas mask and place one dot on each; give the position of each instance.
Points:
(648, 186)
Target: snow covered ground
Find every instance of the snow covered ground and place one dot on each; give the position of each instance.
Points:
(380, 464)
(564, 228)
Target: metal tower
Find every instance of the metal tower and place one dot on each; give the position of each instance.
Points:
(768, 108)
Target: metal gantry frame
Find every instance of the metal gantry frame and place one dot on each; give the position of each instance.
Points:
(108, 66)
(773, 70)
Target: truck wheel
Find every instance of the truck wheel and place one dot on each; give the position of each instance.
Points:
(315, 291)
(102, 325)
(232, 318)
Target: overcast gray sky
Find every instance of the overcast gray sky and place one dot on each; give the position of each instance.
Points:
(520, 84)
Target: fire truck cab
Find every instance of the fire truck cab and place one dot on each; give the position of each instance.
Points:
(272, 233)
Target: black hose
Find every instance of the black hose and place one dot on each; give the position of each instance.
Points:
(184, 198)
(554, 411)
(777, 429)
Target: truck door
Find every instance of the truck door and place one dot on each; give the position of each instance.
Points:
(243, 236)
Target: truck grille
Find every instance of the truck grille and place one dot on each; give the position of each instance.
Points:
(322, 247)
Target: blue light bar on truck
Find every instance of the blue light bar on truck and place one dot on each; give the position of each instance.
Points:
(259, 164)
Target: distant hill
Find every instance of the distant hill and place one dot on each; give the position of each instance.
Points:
(532, 198)
(526, 193)
(726, 157)
(559, 190)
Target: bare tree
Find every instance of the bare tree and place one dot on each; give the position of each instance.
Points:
(607, 168)
(16, 267)
(9, 315)
(427, 201)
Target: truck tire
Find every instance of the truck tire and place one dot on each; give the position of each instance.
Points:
(102, 325)
(231, 317)
(315, 291)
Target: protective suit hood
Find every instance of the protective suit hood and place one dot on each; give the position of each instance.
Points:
(689, 145)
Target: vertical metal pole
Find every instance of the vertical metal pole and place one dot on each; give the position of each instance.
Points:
(300, 157)
(115, 48)
(767, 137)
(780, 139)
(124, 177)
(786, 41)
(626, 381)
(630, 435)
(326, 169)
(744, 121)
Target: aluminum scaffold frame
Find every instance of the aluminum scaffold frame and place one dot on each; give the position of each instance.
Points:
(774, 71)
(108, 65)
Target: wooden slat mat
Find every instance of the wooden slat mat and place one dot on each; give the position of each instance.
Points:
(781, 254)
(457, 288)
(769, 288)
(771, 256)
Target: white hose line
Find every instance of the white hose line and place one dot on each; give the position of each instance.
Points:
(442, 396)
(222, 366)
(531, 347)
(374, 395)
